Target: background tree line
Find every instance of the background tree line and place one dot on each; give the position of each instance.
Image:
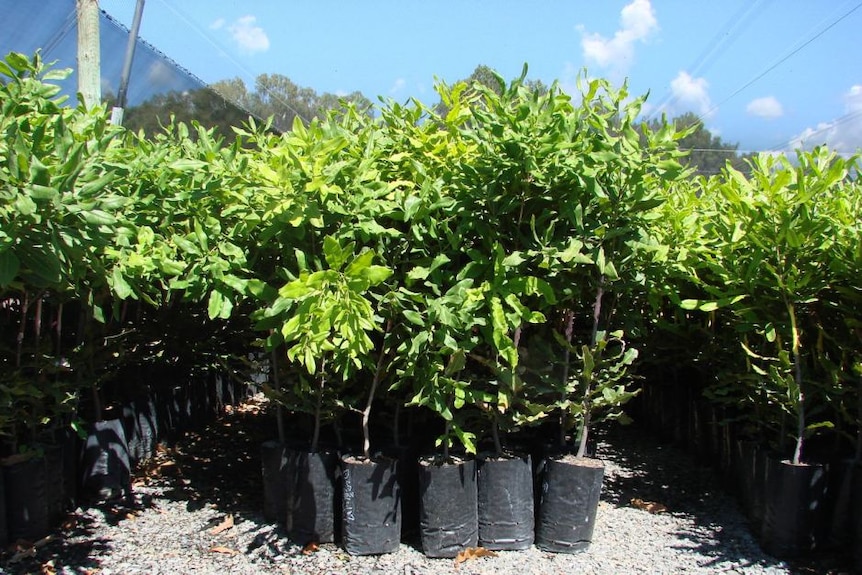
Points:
(229, 103)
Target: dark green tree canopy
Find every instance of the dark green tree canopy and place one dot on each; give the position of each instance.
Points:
(229, 103)
(707, 153)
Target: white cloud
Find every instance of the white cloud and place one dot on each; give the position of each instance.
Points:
(637, 24)
(217, 24)
(690, 94)
(843, 134)
(767, 107)
(160, 74)
(398, 86)
(248, 36)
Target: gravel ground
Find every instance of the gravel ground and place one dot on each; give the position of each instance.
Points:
(186, 498)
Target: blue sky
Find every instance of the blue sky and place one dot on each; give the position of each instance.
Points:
(766, 74)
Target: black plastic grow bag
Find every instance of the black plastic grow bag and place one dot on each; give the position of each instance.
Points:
(449, 521)
(568, 504)
(795, 498)
(505, 502)
(371, 506)
(25, 484)
(4, 532)
(313, 497)
(105, 465)
(275, 469)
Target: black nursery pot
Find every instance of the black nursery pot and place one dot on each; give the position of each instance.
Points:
(568, 504)
(105, 463)
(4, 532)
(856, 520)
(25, 486)
(371, 505)
(505, 502)
(841, 504)
(275, 468)
(750, 468)
(795, 498)
(448, 520)
(313, 497)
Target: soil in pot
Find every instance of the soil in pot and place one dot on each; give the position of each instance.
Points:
(568, 503)
(505, 502)
(371, 505)
(25, 485)
(795, 498)
(274, 468)
(313, 497)
(448, 517)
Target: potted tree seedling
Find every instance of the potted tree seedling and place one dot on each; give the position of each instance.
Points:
(787, 223)
(435, 360)
(323, 318)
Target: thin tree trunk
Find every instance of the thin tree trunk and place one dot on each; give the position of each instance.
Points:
(797, 375)
(279, 410)
(315, 437)
(22, 326)
(446, 441)
(495, 434)
(567, 354)
(37, 321)
(366, 413)
(587, 405)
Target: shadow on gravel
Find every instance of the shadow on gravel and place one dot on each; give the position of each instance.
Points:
(665, 475)
(72, 544)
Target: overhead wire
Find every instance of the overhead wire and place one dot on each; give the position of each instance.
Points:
(781, 60)
(720, 42)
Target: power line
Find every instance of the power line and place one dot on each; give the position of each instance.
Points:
(782, 60)
(849, 117)
(719, 43)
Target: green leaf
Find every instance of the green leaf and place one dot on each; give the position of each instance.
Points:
(98, 218)
(9, 266)
(120, 285)
(414, 317)
(38, 192)
(214, 307)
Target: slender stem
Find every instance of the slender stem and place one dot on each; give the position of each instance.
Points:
(797, 374)
(58, 327)
(447, 432)
(37, 321)
(495, 434)
(366, 413)
(315, 437)
(279, 410)
(19, 350)
(587, 405)
(570, 322)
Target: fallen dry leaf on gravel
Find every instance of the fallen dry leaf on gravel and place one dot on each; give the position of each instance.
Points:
(650, 506)
(223, 526)
(473, 553)
(224, 550)
(310, 548)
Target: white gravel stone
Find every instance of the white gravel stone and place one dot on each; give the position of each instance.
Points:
(701, 532)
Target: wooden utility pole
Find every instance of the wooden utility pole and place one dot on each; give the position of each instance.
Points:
(89, 67)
